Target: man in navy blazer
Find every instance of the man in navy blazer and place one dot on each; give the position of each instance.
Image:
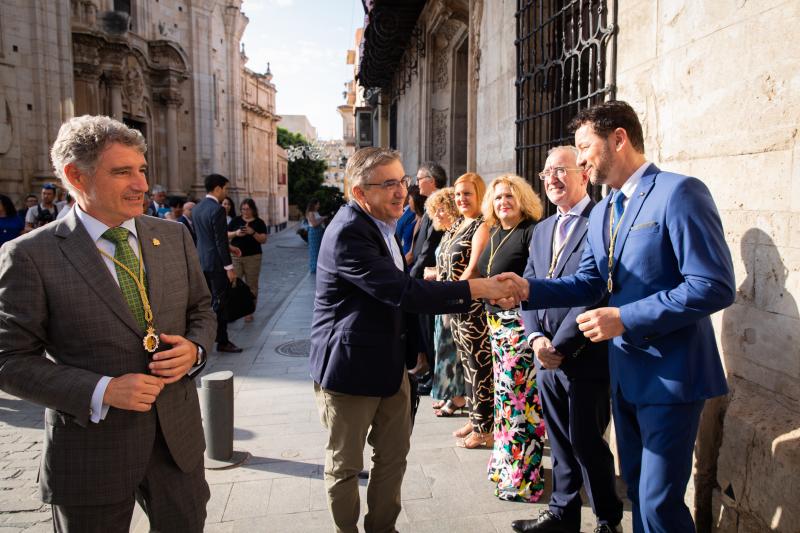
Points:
(359, 335)
(656, 248)
(572, 372)
(213, 249)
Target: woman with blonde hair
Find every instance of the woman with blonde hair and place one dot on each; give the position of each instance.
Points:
(470, 331)
(448, 374)
(511, 209)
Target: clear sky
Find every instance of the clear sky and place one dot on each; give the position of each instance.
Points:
(305, 42)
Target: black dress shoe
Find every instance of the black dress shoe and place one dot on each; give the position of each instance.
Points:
(228, 347)
(608, 528)
(546, 523)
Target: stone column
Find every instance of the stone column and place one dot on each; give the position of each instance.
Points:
(173, 101)
(115, 80)
(473, 68)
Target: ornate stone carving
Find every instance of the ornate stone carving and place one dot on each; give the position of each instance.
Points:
(442, 59)
(440, 117)
(475, 19)
(133, 86)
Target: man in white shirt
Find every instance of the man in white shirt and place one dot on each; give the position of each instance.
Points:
(104, 318)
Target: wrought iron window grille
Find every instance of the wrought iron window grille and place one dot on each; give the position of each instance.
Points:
(566, 55)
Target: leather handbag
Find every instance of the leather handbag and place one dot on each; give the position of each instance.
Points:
(239, 301)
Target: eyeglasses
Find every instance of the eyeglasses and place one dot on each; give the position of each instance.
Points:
(391, 184)
(560, 172)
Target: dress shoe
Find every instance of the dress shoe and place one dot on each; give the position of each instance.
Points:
(546, 523)
(608, 528)
(228, 347)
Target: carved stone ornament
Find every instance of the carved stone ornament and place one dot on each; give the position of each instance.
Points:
(133, 87)
(442, 59)
(440, 117)
(476, 17)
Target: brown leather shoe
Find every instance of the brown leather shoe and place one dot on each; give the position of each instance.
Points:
(228, 348)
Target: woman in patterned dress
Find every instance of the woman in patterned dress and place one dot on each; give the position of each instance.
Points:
(470, 331)
(511, 209)
(448, 375)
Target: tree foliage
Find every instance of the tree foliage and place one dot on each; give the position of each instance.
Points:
(305, 175)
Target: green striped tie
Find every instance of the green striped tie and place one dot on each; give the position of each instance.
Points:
(124, 254)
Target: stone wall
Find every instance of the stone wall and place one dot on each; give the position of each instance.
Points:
(496, 109)
(36, 89)
(717, 85)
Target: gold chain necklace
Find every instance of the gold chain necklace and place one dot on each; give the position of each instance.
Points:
(492, 251)
(150, 340)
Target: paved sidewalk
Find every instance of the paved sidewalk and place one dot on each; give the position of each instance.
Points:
(280, 487)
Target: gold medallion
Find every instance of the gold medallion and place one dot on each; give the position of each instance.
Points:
(150, 341)
(610, 285)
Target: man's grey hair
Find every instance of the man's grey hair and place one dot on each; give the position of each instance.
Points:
(157, 189)
(436, 171)
(363, 162)
(81, 140)
(567, 147)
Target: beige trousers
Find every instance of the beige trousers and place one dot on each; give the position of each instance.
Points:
(351, 421)
(248, 268)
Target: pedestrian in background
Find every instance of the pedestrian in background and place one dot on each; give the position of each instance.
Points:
(316, 227)
(215, 252)
(511, 209)
(44, 212)
(251, 233)
(10, 224)
(230, 211)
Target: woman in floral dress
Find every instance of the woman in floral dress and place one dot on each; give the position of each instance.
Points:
(511, 209)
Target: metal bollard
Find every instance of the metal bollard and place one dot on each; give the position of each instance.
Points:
(216, 403)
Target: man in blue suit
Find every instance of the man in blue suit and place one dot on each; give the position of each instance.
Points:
(360, 346)
(572, 372)
(655, 247)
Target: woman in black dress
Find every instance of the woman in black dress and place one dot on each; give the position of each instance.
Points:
(511, 209)
(249, 233)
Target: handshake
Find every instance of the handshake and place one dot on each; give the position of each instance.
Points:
(505, 290)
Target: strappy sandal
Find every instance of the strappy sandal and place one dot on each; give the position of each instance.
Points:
(450, 408)
(438, 404)
(463, 431)
(476, 440)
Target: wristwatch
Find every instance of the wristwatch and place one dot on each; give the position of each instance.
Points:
(201, 356)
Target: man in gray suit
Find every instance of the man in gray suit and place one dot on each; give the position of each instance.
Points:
(81, 321)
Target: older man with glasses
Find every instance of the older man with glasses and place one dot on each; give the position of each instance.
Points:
(362, 343)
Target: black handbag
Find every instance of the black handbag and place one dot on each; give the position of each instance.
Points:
(239, 301)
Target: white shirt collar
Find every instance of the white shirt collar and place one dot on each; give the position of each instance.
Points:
(629, 186)
(95, 228)
(386, 228)
(212, 197)
(578, 208)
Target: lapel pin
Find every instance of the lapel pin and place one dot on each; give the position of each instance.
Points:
(156, 242)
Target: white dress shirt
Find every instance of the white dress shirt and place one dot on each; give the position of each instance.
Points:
(95, 229)
(387, 230)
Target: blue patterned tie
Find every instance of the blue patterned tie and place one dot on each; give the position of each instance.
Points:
(619, 209)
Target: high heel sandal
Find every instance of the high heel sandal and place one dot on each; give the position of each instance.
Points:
(450, 409)
(438, 404)
(476, 440)
(463, 431)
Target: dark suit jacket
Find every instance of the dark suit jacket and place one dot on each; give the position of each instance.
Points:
(211, 229)
(360, 328)
(424, 247)
(582, 358)
(58, 297)
(185, 221)
(673, 271)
